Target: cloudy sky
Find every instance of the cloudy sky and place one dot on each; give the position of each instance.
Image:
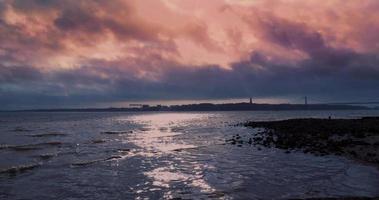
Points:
(73, 53)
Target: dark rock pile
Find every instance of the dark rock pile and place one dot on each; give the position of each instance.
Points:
(237, 139)
(357, 138)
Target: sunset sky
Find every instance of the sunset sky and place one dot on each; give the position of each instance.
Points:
(72, 53)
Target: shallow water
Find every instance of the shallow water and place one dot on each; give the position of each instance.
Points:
(165, 155)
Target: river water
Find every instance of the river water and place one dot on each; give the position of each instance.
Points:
(147, 155)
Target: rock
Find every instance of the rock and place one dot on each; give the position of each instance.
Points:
(250, 141)
(353, 153)
(320, 136)
(371, 154)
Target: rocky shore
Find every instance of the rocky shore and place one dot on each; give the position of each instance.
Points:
(353, 138)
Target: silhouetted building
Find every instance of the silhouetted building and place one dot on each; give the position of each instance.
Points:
(251, 100)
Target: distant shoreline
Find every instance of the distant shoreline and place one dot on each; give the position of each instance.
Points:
(208, 107)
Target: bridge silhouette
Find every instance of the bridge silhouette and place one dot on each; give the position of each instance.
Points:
(306, 101)
(352, 103)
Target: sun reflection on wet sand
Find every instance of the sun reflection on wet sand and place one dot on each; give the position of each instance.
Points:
(158, 139)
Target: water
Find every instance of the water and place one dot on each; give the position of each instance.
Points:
(165, 155)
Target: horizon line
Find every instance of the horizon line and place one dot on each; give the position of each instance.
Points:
(173, 105)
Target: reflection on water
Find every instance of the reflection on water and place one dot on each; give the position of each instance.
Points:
(163, 156)
(158, 138)
(157, 134)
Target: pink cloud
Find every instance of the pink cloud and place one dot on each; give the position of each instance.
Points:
(149, 41)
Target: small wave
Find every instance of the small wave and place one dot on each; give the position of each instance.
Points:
(116, 132)
(123, 151)
(98, 141)
(177, 129)
(19, 147)
(47, 156)
(21, 129)
(28, 147)
(54, 143)
(25, 148)
(19, 168)
(48, 135)
(84, 163)
(216, 195)
(145, 129)
(163, 129)
(113, 158)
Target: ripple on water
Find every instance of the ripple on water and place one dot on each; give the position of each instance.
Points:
(161, 137)
(48, 135)
(29, 147)
(89, 162)
(167, 177)
(21, 129)
(98, 141)
(168, 155)
(162, 176)
(46, 156)
(116, 132)
(19, 168)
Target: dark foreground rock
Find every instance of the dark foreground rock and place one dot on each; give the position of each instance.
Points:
(354, 138)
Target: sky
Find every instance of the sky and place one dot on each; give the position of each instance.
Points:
(80, 53)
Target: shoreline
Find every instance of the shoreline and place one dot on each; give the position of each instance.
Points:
(356, 139)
